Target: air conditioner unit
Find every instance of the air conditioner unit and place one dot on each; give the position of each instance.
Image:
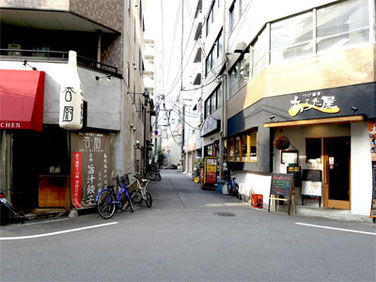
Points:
(16, 47)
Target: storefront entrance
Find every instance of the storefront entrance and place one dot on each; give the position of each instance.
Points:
(337, 172)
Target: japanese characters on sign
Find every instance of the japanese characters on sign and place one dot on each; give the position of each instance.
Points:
(314, 100)
(71, 99)
(76, 180)
(372, 141)
(96, 168)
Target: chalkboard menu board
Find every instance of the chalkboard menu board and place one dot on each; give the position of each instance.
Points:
(313, 175)
(281, 184)
(281, 188)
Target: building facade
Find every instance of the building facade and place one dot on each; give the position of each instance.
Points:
(299, 90)
(44, 164)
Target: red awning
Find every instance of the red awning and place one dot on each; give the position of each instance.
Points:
(21, 99)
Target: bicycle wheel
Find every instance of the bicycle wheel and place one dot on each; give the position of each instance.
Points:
(105, 206)
(158, 177)
(148, 200)
(136, 196)
(130, 205)
(230, 189)
(237, 191)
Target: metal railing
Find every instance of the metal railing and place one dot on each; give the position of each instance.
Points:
(46, 55)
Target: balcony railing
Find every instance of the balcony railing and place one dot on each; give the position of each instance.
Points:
(43, 55)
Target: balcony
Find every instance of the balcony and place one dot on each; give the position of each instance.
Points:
(49, 35)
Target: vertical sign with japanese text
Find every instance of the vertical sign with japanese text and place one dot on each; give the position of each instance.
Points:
(95, 151)
(76, 179)
(372, 141)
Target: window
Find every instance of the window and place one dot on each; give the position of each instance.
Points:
(207, 108)
(234, 79)
(259, 53)
(244, 68)
(128, 75)
(237, 148)
(342, 24)
(210, 18)
(235, 13)
(219, 96)
(243, 148)
(213, 102)
(231, 147)
(214, 54)
(292, 38)
(313, 148)
(239, 74)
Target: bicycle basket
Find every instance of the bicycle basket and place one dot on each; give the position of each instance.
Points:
(122, 180)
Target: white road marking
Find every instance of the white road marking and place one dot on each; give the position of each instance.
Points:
(335, 228)
(56, 233)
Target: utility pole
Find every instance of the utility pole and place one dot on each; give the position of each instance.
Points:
(181, 85)
(156, 135)
(223, 132)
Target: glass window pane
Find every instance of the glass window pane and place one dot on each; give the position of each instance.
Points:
(219, 96)
(259, 52)
(244, 69)
(234, 79)
(292, 38)
(244, 148)
(253, 153)
(237, 149)
(231, 150)
(219, 45)
(342, 24)
(213, 103)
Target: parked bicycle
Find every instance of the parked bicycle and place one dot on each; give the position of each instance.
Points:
(232, 186)
(153, 173)
(107, 199)
(141, 193)
(6, 210)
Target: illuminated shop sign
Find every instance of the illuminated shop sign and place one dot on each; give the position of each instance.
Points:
(313, 101)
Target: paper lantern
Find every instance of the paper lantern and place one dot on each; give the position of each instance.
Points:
(71, 99)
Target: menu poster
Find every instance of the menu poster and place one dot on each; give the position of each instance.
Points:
(91, 166)
(211, 170)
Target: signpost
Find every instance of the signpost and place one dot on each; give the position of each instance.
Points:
(281, 188)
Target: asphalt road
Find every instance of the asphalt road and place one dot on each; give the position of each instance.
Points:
(189, 235)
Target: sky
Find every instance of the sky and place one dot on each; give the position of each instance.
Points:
(163, 24)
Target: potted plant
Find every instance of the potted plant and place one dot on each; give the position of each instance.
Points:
(281, 142)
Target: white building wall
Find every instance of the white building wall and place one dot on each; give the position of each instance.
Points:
(361, 171)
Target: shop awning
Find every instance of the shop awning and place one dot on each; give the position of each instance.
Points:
(347, 119)
(21, 99)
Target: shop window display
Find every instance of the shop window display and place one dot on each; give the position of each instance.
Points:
(243, 148)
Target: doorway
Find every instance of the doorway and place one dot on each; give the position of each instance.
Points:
(337, 172)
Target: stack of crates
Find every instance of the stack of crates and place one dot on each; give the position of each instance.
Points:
(257, 201)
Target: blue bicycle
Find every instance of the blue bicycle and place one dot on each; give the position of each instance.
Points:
(108, 201)
(233, 187)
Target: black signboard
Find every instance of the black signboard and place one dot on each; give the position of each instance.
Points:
(296, 171)
(313, 175)
(281, 188)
